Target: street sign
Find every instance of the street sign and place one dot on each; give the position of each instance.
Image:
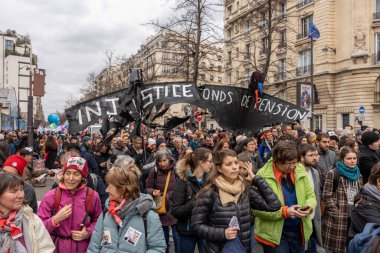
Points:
(361, 110)
(197, 116)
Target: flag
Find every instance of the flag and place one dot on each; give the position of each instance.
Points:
(313, 31)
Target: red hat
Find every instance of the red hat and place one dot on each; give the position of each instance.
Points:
(16, 161)
(77, 163)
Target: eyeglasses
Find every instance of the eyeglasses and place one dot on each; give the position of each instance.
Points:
(290, 165)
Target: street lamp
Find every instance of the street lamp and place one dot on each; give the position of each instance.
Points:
(18, 88)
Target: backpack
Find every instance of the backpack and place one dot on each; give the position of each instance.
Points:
(335, 187)
(366, 241)
(57, 200)
(94, 180)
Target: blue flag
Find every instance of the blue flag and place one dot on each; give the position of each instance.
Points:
(313, 31)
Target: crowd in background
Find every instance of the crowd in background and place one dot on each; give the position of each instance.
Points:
(288, 189)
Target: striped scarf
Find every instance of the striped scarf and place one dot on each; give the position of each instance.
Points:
(10, 233)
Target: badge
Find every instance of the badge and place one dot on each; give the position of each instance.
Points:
(132, 236)
(106, 238)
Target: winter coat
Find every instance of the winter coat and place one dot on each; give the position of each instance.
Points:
(50, 158)
(30, 196)
(156, 181)
(269, 225)
(327, 161)
(77, 200)
(210, 219)
(178, 155)
(183, 196)
(92, 164)
(335, 217)
(367, 159)
(36, 237)
(317, 221)
(140, 159)
(366, 210)
(150, 241)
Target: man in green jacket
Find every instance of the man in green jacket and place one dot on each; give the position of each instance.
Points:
(288, 229)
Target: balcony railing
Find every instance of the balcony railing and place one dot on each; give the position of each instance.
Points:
(304, 70)
(282, 45)
(301, 36)
(280, 76)
(377, 97)
(264, 51)
(303, 3)
(376, 58)
(376, 15)
(281, 16)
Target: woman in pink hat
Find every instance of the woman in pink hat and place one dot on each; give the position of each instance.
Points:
(70, 211)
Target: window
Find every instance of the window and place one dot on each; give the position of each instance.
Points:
(281, 69)
(318, 122)
(263, 19)
(378, 7)
(220, 68)
(203, 65)
(304, 63)
(237, 5)
(229, 10)
(229, 78)
(211, 66)
(264, 44)
(282, 10)
(237, 75)
(165, 69)
(8, 45)
(282, 39)
(246, 73)
(229, 59)
(219, 79)
(203, 77)
(166, 57)
(377, 56)
(345, 119)
(229, 34)
(246, 27)
(211, 78)
(247, 51)
(305, 26)
(237, 52)
(219, 57)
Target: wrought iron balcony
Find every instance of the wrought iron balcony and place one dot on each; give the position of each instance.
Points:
(280, 76)
(282, 45)
(376, 15)
(304, 70)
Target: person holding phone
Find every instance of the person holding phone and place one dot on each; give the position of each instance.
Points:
(287, 229)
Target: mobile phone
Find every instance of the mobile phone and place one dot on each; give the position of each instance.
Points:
(304, 208)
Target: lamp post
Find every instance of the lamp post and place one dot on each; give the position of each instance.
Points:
(18, 88)
(30, 111)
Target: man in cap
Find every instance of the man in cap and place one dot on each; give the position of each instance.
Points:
(15, 164)
(368, 155)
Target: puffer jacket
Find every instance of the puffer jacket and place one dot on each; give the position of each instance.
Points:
(183, 198)
(156, 181)
(151, 241)
(210, 219)
(77, 200)
(36, 237)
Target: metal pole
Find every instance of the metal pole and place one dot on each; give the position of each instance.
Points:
(30, 111)
(18, 98)
(312, 83)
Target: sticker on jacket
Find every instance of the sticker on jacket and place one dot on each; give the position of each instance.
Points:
(106, 238)
(132, 236)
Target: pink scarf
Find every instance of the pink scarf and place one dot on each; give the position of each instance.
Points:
(114, 209)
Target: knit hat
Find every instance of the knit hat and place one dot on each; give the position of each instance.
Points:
(151, 141)
(77, 163)
(159, 141)
(16, 161)
(86, 139)
(369, 137)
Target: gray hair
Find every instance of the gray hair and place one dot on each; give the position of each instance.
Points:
(163, 153)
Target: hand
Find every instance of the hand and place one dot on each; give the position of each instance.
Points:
(307, 212)
(58, 176)
(248, 167)
(292, 211)
(156, 193)
(231, 233)
(63, 214)
(80, 235)
(103, 164)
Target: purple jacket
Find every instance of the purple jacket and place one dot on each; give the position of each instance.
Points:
(77, 200)
(156, 181)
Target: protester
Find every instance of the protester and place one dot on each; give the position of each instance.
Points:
(249, 146)
(130, 223)
(119, 147)
(225, 195)
(192, 172)
(4, 150)
(136, 151)
(338, 200)
(21, 231)
(15, 165)
(223, 144)
(266, 146)
(160, 184)
(178, 151)
(368, 155)
(327, 158)
(287, 229)
(70, 218)
(50, 152)
(367, 203)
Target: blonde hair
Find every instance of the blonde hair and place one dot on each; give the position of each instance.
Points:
(125, 180)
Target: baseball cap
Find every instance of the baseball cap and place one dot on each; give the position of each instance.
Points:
(27, 151)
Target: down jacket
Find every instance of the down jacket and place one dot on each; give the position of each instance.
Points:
(183, 198)
(210, 219)
(77, 200)
(150, 241)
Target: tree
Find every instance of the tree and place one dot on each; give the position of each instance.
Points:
(70, 101)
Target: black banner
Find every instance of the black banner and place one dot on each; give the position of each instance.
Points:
(232, 107)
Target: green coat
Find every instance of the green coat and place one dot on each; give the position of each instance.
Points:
(268, 225)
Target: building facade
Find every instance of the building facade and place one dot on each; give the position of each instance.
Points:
(17, 63)
(272, 36)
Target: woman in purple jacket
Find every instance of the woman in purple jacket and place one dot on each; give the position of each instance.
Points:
(70, 211)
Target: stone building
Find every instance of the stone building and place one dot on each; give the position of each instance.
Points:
(346, 61)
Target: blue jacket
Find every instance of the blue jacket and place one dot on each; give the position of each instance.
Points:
(117, 238)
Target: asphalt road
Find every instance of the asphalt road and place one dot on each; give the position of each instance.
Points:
(40, 192)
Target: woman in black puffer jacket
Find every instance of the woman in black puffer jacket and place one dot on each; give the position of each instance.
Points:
(225, 195)
(192, 173)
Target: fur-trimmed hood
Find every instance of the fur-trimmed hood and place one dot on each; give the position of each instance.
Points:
(183, 169)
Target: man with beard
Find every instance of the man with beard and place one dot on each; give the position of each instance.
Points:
(368, 154)
(178, 151)
(308, 157)
(136, 151)
(327, 158)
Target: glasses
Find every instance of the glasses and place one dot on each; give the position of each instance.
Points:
(290, 165)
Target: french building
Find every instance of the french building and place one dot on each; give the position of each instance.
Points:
(17, 63)
(346, 56)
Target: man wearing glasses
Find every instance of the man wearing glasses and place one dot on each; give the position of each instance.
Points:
(289, 228)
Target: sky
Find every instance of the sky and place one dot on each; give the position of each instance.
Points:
(70, 37)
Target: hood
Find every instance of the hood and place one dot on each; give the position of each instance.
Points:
(183, 169)
(141, 205)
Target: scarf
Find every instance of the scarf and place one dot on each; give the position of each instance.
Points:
(10, 233)
(229, 192)
(347, 172)
(373, 190)
(113, 209)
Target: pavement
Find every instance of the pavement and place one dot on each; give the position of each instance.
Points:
(41, 191)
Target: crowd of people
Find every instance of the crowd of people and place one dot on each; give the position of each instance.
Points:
(286, 189)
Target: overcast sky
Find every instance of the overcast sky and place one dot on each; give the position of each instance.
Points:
(71, 36)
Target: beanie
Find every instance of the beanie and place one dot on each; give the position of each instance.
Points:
(77, 163)
(16, 161)
(151, 141)
(159, 141)
(369, 137)
(86, 139)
